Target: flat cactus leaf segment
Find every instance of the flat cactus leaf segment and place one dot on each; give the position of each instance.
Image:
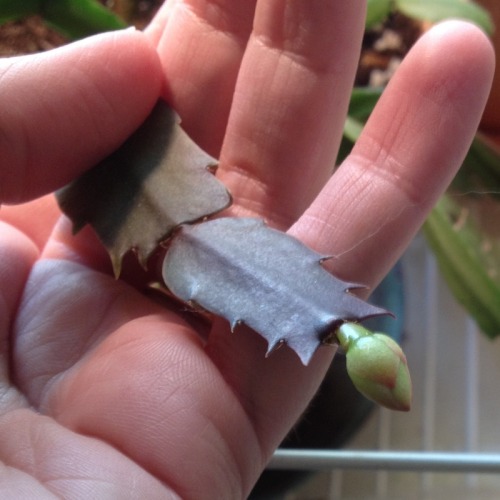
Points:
(249, 273)
(159, 178)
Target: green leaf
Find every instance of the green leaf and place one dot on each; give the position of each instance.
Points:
(480, 172)
(158, 179)
(352, 129)
(363, 100)
(376, 12)
(464, 233)
(249, 273)
(80, 18)
(12, 10)
(439, 10)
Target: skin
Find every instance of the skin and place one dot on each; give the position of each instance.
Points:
(105, 393)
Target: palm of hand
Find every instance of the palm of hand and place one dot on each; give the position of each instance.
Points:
(105, 362)
(105, 392)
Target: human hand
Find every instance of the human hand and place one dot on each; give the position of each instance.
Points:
(107, 394)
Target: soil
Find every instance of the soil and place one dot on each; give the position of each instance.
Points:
(32, 35)
(27, 37)
(384, 47)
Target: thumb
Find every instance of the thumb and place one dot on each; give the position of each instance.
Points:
(63, 110)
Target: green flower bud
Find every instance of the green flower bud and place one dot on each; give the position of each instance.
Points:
(377, 366)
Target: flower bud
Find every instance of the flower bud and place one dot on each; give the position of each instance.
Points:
(377, 366)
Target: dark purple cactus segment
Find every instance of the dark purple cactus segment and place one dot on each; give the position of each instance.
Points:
(249, 273)
(157, 179)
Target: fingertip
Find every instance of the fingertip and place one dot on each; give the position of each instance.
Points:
(469, 58)
(411, 147)
(63, 110)
(464, 33)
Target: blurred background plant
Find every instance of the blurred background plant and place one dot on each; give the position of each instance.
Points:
(462, 229)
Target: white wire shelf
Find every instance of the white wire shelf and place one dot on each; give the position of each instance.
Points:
(415, 461)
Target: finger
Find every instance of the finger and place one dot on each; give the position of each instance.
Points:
(157, 26)
(17, 255)
(290, 104)
(65, 109)
(410, 149)
(414, 143)
(201, 43)
(35, 219)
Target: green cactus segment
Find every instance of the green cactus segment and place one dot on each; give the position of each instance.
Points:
(377, 366)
